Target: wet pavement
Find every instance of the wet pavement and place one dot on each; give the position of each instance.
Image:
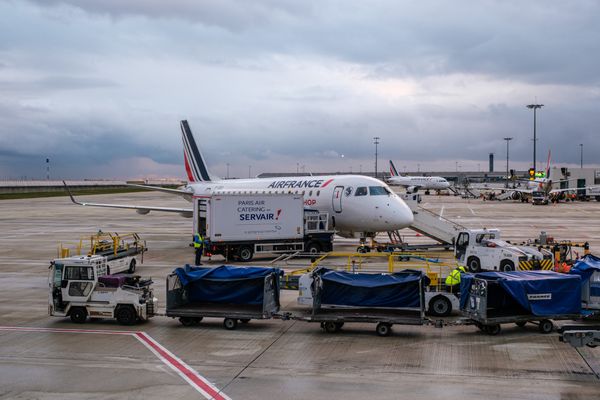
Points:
(268, 359)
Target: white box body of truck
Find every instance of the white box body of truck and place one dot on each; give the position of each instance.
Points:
(254, 217)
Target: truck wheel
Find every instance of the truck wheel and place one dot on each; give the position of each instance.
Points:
(132, 266)
(331, 327)
(507, 266)
(230, 323)
(125, 315)
(440, 306)
(78, 315)
(474, 264)
(383, 329)
(313, 248)
(597, 198)
(245, 253)
(546, 326)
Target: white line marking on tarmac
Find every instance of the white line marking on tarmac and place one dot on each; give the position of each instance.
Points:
(442, 212)
(191, 376)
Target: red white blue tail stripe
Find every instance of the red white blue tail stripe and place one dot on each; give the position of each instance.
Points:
(393, 171)
(195, 167)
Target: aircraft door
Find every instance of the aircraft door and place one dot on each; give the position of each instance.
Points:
(337, 199)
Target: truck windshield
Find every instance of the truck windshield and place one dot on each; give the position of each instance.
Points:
(378, 190)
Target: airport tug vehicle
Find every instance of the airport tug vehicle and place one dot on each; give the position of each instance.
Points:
(81, 288)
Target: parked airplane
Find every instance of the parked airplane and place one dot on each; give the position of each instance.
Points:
(414, 183)
(356, 204)
(543, 188)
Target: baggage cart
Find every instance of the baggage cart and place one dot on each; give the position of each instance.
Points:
(490, 299)
(232, 293)
(383, 299)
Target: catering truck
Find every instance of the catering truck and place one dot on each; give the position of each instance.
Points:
(240, 225)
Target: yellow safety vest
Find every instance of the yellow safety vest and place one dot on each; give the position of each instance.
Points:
(197, 241)
(453, 278)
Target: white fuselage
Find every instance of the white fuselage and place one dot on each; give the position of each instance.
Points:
(355, 203)
(421, 182)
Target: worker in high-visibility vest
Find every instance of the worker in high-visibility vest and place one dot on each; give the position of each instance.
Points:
(198, 247)
(453, 280)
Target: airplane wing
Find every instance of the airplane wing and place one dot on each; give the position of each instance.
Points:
(573, 189)
(184, 212)
(187, 195)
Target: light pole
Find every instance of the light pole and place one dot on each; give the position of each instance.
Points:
(534, 107)
(227, 170)
(249, 171)
(418, 167)
(508, 139)
(297, 168)
(47, 169)
(581, 148)
(376, 142)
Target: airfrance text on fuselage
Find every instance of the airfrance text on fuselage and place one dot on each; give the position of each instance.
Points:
(296, 184)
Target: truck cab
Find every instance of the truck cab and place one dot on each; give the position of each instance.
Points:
(539, 197)
(80, 288)
(479, 249)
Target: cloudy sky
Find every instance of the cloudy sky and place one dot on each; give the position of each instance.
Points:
(99, 87)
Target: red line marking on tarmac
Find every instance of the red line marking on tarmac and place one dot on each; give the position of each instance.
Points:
(200, 383)
(191, 376)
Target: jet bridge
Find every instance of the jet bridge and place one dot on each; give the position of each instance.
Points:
(431, 224)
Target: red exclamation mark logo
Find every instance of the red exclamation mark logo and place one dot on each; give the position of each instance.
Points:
(278, 214)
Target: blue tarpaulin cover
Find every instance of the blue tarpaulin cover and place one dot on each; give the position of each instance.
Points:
(556, 293)
(398, 290)
(585, 267)
(226, 284)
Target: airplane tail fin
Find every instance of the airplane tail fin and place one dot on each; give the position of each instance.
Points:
(195, 167)
(393, 171)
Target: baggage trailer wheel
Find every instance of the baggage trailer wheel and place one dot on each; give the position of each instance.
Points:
(190, 321)
(521, 324)
(440, 306)
(546, 326)
(78, 315)
(332, 327)
(230, 323)
(384, 329)
(492, 329)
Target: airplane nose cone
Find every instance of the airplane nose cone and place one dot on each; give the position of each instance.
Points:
(403, 215)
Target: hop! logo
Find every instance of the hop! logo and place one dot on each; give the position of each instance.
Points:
(278, 214)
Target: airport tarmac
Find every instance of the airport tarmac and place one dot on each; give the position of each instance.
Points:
(42, 357)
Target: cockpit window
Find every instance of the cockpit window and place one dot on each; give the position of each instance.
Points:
(361, 191)
(378, 190)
